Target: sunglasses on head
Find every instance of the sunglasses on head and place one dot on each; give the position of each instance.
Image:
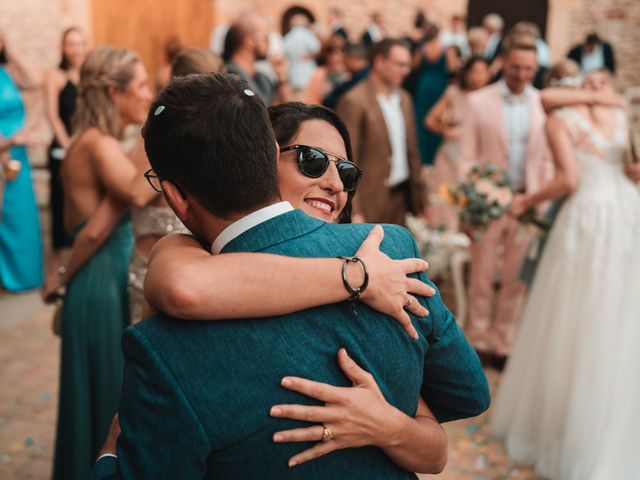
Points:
(314, 162)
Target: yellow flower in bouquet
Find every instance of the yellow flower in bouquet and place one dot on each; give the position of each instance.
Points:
(445, 193)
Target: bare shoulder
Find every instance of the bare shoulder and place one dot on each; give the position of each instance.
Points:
(453, 91)
(177, 240)
(101, 143)
(55, 77)
(81, 144)
(178, 246)
(54, 81)
(557, 120)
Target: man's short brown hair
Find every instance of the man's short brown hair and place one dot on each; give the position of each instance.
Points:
(383, 48)
(519, 41)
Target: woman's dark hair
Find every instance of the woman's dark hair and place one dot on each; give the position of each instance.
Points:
(286, 120)
(194, 60)
(285, 21)
(335, 42)
(466, 68)
(233, 41)
(420, 20)
(431, 32)
(172, 47)
(64, 61)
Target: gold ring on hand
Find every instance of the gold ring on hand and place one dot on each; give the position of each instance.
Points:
(409, 302)
(327, 434)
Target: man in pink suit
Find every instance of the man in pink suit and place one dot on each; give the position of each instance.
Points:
(505, 127)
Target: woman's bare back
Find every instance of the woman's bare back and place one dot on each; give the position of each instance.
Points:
(83, 191)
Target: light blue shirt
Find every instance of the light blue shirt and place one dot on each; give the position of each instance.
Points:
(517, 118)
(300, 45)
(594, 60)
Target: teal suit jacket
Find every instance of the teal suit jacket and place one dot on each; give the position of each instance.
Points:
(196, 395)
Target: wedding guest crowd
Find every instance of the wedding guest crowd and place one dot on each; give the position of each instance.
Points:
(412, 113)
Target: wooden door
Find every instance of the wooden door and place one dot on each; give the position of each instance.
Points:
(145, 25)
(512, 12)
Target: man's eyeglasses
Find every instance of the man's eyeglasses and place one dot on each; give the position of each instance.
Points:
(153, 180)
(313, 162)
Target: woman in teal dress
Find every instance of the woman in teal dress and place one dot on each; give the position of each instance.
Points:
(427, 83)
(113, 93)
(21, 266)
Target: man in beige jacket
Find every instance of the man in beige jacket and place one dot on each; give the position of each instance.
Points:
(379, 116)
(505, 127)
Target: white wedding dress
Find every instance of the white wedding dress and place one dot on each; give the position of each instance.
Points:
(569, 402)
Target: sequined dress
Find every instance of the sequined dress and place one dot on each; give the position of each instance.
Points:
(150, 220)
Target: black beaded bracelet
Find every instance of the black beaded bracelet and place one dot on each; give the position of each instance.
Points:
(354, 292)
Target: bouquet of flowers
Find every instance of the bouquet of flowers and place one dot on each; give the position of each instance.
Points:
(536, 225)
(436, 245)
(484, 197)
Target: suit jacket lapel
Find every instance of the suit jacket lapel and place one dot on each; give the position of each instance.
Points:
(498, 117)
(274, 231)
(378, 119)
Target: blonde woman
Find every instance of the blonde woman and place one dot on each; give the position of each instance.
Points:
(151, 217)
(112, 94)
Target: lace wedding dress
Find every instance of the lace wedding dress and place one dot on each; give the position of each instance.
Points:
(569, 403)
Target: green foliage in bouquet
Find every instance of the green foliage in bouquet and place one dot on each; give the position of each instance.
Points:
(484, 197)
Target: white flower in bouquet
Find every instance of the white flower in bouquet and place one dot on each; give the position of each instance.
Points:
(436, 246)
(485, 186)
(502, 196)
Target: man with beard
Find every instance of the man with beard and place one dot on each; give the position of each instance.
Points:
(246, 43)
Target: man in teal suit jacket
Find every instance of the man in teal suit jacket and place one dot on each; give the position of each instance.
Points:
(196, 395)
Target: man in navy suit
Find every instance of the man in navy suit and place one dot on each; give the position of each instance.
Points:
(197, 395)
(593, 54)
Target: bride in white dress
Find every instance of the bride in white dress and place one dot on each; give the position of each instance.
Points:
(569, 403)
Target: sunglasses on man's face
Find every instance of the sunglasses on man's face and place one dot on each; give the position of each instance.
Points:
(314, 162)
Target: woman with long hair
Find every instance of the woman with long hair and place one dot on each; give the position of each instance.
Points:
(61, 91)
(150, 215)
(331, 71)
(112, 94)
(446, 119)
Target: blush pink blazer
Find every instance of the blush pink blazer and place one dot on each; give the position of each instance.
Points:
(484, 138)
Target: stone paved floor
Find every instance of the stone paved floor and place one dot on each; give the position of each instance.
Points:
(28, 395)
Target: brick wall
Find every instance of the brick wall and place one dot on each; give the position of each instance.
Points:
(617, 21)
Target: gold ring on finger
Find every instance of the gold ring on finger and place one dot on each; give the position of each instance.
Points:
(409, 302)
(327, 434)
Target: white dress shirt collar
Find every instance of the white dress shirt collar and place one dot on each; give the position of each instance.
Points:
(238, 227)
(391, 107)
(509, 96)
